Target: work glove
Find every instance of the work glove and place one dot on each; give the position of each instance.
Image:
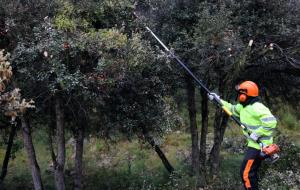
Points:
(212, 96)
(254, 136)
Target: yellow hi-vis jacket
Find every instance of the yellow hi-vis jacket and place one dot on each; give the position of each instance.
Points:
(258, 118)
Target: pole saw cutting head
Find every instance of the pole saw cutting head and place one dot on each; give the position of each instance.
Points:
(270, 153)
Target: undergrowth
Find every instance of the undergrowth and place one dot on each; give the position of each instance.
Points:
(135, 165)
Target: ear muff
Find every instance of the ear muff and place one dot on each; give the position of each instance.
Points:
(242, 97)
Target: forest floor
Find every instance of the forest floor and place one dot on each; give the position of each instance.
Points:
(132, 165)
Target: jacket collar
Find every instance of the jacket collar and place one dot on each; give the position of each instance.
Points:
(251, 100)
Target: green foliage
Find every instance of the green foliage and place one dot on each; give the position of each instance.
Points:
(214, 25)
(99, 146)
(113, 13)
(95, 54)
(229, 175)
(134, 83)
(288, 118)
(132, 165)
(64, 23)
(290, 121)
(54, 64)
(113, 39)
(67, 18)
(284, 174)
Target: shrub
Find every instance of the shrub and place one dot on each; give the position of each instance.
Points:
(284, 174)
(290, 121)
(288, 118)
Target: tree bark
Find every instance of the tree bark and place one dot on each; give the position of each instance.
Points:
(159, 152)
(219, 130)
(79, 138)
(61, 150)
(50, 139)
(193, 125)
(35, 169)
(204, 129)
(12, 135)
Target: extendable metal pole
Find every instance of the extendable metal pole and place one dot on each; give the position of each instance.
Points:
(179, 61)
(219, 103)
(274, 157)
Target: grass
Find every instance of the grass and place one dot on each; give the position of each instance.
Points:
(132, 165)
(289, 118)
(229, 176)
(123, 165)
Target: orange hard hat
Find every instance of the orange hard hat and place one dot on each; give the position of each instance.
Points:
(249, 88)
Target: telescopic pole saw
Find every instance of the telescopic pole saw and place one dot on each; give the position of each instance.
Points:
(269, 152)
(217, 101)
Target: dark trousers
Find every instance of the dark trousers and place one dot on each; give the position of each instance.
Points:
(249, 169)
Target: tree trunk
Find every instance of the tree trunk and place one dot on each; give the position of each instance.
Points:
(12, 135)
(219, 130)
(193, 125)
(35, 169)
(79, 138)
(50, 139)
(161, 155)
(61, 151)
(204, 129)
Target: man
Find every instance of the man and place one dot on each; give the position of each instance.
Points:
(258, 118)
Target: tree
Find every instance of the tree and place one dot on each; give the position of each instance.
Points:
(12, 105)
(132, 93)
(7, 154)
(91, 69)
(68, 54)
(173, 22)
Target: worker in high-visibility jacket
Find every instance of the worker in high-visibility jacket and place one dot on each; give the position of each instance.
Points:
(258, 118)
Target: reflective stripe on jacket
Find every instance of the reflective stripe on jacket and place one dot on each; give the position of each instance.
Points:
(258, 119)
